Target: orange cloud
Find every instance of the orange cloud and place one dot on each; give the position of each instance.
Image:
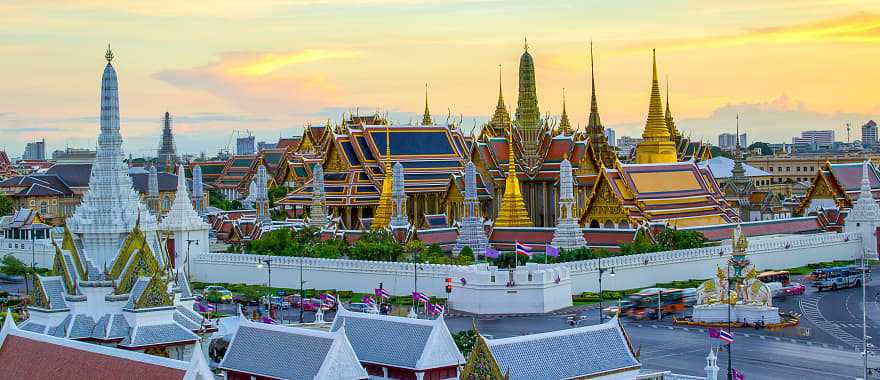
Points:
(862, 27)
(265, 63)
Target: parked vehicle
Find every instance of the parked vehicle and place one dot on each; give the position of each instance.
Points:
(217, 294)
(646, 303)
(837, 278)
(280, 303)
(245, 301)
(358, 306)
(794, 289)
(311, 304)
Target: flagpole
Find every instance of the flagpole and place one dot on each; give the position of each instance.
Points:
(729, 344)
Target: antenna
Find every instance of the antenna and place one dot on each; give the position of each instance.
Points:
(847, 133)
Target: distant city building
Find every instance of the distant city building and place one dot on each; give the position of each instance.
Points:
(727, 141)
(609, 134)
(627, 144)
(244, 146)
(37, 150)
(74, 155)
(167, 155)
(265, 145)
(818, 138)
(869, 133)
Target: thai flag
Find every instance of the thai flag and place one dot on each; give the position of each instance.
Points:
(420, 297)
(737, 375)
(202, 308)
(328, 298)
(436, 308)
(722, 335)
(523, 250)
(382, 293)
(368, 300)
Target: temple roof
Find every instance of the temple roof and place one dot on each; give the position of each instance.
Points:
(291, 353)
(722, 167)
(428, 343)
(70, 359)
(581, 352)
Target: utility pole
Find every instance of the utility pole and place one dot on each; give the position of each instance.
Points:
(864, 313)
(729, 345)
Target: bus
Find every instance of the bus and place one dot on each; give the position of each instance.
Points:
(838, 277)
(782, 277)
(644, 304)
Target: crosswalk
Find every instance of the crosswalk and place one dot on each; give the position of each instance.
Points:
(809, 306)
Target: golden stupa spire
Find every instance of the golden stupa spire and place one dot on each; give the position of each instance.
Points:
(670, 122)
(109, 55)
(564, 124)
(382, 217)
(426, 117)
(513, 209)
(657, 146)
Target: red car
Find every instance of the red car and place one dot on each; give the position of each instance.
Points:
(794, 289)
(311, 304)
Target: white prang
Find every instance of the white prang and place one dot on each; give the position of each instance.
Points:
(198, 191)
(110, 207)
(261, 198)
(318, 211)
(864, 218)
(398, 198)
(568, 234)
(470, 231)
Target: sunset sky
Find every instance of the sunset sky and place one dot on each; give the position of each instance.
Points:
(273, 66)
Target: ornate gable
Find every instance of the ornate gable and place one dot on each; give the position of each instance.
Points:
(588, 164)
(68, 245)
(154, 295)
(334, 161)
(824, 186)
(604, 204)
(41, 299)
(481, 364)
(59, 266)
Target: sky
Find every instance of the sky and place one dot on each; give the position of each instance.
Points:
(270, 67)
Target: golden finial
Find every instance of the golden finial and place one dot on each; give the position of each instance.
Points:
(526, 43)
(109, 55)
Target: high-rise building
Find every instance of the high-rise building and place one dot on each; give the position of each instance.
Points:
(869, 133)
(167, 155)
(726, 141)
(609, 135)
(37, 150)
(820, 138)
(74, 155)
(245, 146)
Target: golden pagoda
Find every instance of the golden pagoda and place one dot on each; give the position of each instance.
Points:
(564, 123)
(426, 117)
(512, 212)
(382, 217)
(657, 146)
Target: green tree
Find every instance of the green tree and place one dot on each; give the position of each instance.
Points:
(465, 340)
(13, 266)
(641, 244)
(376, 246)
(765, 148)
(672, 239)
(6, 206)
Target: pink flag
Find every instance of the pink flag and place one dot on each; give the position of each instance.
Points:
(551, 251)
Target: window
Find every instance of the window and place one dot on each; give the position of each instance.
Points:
(771, 169)
(530, 276)
(44, 207)
(492, 278)
(798, 168)
(788, 168)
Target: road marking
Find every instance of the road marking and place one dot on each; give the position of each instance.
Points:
(670, 327)
(809, 306)
(777, 339)
(746, 335)
(653, 326)
(762, 337)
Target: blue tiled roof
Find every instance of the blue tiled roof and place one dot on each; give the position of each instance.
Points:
(158, 334)
(82, 326)
(136, 291)
(54, 288)
(60, 329)
(381, 340)
(100, 327)
(119, 328)
(292, 354)
(573, 353)
(185, 322)
(32, 327)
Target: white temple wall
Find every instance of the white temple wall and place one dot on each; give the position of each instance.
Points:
(631, 271)
(43, 253)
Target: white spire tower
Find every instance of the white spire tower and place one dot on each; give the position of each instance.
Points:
(153, 190)
(261, 198)
(470, 231)
(864, 218)
(398, 198)
(111, 207)
(568, 234)
(189, 231)
(318, 211)
(198, 190)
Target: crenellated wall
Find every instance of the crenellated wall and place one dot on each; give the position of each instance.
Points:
(631, 271)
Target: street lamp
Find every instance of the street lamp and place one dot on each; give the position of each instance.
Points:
(188, 242)
(268, 263)
(33, 229)
(601, 297)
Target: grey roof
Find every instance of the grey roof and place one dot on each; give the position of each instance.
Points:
(74, 175)
(61, 328)
(100, 328)
(291, 353)
(38, 184)
(54, 288)
(82, 327)
(379, 339)
(190, 314)
(136, 291)
(183, 285)
(158, 334)
(186, 322)
(32, 327)
(722, 167)
(167, 182)
(119, 327)
(571, 353)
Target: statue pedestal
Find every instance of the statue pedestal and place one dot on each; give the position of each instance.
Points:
(717, 313)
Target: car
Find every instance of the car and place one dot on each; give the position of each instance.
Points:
(279, 302)
(311, 304)
(218, 294)
(794, 289)
(359, 307)
(245, 301)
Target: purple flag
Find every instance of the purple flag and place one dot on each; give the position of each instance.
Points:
(552, 251)
(491, 253)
